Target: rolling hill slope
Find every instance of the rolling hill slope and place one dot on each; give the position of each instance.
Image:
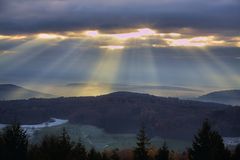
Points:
(123, 112)
(13, 92)
(226, 97)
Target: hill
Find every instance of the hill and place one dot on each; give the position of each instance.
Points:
(165, 91)
(123, 112)
(226, 97)
(13, 92)
(137, 87)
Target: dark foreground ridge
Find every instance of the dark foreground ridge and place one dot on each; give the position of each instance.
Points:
(123, 112)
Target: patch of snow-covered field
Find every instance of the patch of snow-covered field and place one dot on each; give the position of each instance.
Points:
(231, 141)
(30, 129)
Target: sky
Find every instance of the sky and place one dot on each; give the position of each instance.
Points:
(186, 43)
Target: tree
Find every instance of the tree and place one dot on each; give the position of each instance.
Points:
(65, 145)
(208, 145)
(34, 152)
(141, 151)
(94, 155)
(105, 156)
(219, 152)
(114, 155)
(79, 152)
(163, 153)
(236, 154)
(56, 147)
(14, 143)
(49, 148)
(1, 146)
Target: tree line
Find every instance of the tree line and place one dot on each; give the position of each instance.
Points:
(207, 145)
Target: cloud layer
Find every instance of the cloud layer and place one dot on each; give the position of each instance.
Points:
(27, 16)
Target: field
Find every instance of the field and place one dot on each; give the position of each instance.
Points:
(95, 137)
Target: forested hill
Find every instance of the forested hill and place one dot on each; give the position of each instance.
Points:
(123, 112)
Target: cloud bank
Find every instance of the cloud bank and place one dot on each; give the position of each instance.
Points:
(28, 16)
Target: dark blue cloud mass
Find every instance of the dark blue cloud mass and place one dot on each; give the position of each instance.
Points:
(27, 16)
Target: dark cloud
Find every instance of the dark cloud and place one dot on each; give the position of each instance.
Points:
(26, 16)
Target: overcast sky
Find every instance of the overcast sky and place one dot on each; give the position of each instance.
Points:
(155, 42)
(21, 16)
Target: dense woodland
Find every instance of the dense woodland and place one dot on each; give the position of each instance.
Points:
(207, 145)
(122, 112)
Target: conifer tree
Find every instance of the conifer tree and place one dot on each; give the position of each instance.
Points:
(94, 155)
(163, 153)
(141, 151)
(104, 156)
(56, 147)
(79, 152)
(65, 145)
(14, 142)
(114, 155)
(208, 145)
(34, 152)
(49, 148)
(1, 146)
(236, 154)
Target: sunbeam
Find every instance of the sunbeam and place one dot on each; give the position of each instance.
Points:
(58, 62)
(230, 76)
(206, 71)
(124, 55)
(105, 72)
(24, 53)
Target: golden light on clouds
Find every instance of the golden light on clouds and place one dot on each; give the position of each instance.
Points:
(174, 34)
(185, 43)
(15, 37)
(171, 34)
(93, 33)
(201, 41)
(143, 37)
(112, 47)
(50, 36)
(238, 44)
(238, 41)
(138, 34)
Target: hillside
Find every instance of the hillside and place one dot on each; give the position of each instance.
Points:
(158, 90)
(12, 92)
(226, 97)
(123, 112)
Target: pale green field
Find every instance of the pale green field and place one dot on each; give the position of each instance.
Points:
(95, 137)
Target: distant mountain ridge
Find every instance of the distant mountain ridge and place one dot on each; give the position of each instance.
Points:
(131, 86)
(225, 96)
(13, 92)
(105, 88)
(123, 112)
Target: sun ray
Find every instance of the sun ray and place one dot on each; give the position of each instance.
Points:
(113, 44)
(76, 48)
(24, 53)
(55, 65)
(105, 72)
(206, 71)
(230, 76)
